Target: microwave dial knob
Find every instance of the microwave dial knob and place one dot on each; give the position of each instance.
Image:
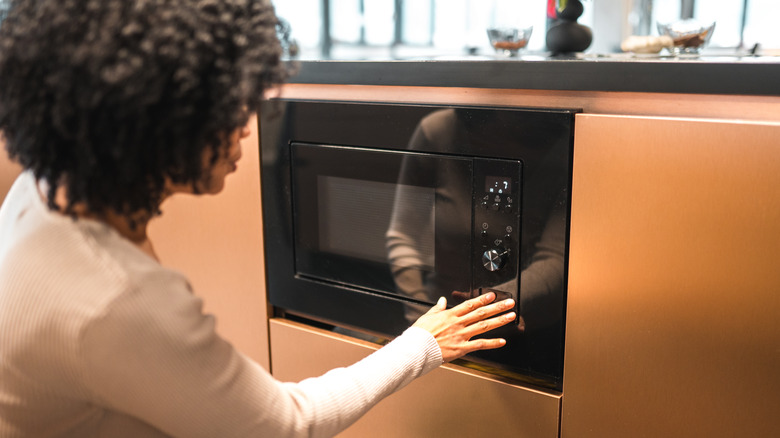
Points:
(493, 259)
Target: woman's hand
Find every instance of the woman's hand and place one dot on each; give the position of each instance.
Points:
(454, 328)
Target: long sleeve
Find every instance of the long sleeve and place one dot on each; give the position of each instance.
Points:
(168, 367)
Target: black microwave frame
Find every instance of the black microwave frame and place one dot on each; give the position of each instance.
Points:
(385, 126)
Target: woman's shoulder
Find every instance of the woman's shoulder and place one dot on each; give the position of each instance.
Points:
(72, 267)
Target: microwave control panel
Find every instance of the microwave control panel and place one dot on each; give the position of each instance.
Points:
(496, 235)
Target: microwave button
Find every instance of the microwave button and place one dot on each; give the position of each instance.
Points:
(493, 259)
(496, 206)
(509, 204)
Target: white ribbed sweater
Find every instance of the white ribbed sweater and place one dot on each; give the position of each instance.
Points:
(98, 340)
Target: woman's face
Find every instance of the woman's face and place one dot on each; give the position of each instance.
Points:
(215, 171)
(214, 179)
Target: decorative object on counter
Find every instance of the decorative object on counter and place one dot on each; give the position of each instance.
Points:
(646, 44)
(688, 36)
(509, 40)
(568, 36)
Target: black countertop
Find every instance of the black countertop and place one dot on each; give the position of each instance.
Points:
(748, 75)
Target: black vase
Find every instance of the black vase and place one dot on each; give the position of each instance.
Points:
(567, 36)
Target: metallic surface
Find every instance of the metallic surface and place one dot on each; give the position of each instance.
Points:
(493, 259)
(446, 402)
(673, 305)
(758, 108)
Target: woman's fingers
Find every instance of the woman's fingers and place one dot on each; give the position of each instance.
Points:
(481, 313)
(477, 320)
(473, 304)
(483, 344)
(454, 328)
(478, 310)
(489, 324)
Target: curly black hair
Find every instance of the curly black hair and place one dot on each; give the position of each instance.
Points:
(111, 97)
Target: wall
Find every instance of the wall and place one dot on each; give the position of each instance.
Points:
(8, 171)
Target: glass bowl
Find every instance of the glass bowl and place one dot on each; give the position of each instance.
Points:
(509, 41)
(688, 36)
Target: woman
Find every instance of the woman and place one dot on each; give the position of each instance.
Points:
(111, 106)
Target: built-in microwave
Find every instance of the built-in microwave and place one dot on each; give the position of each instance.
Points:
(373, 211)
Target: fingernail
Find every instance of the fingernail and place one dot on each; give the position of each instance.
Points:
(510, 316)
(502, 341)
(509, 303)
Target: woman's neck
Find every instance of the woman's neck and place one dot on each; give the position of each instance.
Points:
(132, 227)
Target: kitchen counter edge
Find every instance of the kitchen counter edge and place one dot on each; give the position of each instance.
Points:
(751, 76)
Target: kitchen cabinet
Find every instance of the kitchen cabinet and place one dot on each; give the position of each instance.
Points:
(673, 304)
(447, 402)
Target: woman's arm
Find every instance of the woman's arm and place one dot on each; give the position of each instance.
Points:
(155, 356)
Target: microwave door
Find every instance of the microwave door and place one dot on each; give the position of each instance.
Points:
(387, 222)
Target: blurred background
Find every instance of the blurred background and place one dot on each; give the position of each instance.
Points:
(369, 29)
(381, 29)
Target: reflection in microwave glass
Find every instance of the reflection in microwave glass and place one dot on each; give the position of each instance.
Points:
(356, 214)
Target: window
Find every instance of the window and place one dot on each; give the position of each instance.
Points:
(3, 10)
(760, 26)
(406, 28)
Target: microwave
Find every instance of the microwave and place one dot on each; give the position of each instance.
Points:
(372, 211)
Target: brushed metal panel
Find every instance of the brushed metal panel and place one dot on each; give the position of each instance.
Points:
(8, 170)
(673, 318)
(760, 108)
(446, 402)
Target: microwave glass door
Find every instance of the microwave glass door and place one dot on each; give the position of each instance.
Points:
(389, 222)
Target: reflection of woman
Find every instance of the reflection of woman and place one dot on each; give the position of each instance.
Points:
(111, 106)
(419, 233)
(544, 225)
(410, 239)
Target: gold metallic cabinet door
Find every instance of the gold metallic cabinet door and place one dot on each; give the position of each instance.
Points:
(673, 318)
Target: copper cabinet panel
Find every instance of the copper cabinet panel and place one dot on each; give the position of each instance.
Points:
(447, 402)
(673, 317)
